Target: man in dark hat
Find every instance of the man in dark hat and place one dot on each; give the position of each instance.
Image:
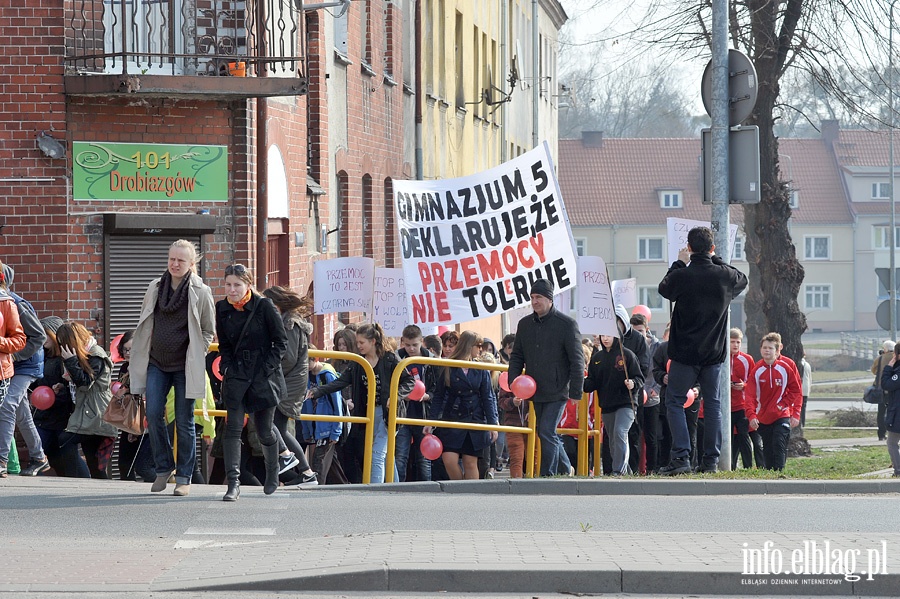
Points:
(547, 345)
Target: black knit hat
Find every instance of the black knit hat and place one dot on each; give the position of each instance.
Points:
(543, 287)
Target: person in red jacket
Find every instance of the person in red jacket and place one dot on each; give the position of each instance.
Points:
(741, 365)
(773, 400)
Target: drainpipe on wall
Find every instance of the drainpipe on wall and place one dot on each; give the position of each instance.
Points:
(262, 170)
(535, 73)
(420, 97)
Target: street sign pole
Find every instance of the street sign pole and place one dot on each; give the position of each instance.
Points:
(720, 217)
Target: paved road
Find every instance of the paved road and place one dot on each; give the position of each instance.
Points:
(97, 536)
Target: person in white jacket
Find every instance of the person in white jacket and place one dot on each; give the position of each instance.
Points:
(176, 326)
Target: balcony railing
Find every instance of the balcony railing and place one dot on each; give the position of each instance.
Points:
(213, 38)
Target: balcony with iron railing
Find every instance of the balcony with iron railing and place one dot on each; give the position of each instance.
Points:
(211, 49)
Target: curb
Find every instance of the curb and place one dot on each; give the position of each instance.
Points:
(620, 486)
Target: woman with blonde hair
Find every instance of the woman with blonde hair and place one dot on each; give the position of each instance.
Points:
(464, 395)
(89, 371)
(176, 326)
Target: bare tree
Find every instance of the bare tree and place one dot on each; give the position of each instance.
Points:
(833, 41)
(629, 101)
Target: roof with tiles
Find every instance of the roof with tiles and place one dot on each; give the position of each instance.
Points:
(860, 151)
(618, 181)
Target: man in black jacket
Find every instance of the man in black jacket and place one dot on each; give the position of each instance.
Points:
(698, 343)
(548, 344)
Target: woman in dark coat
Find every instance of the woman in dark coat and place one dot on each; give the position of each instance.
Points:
(252, 343)
(890, 382)
(464, 395)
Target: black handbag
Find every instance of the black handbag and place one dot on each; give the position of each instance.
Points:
(874, 393)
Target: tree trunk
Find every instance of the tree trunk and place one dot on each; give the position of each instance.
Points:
(775, 273)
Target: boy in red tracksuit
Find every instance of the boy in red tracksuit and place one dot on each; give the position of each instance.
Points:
(741, 365)
(773, 400)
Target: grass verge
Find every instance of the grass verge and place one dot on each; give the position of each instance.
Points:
(831, 465)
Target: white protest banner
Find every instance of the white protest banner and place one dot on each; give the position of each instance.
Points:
(625, 292)
(344, 285)
(473, 246)
(596, 313)
(390, 308)
(677, 231)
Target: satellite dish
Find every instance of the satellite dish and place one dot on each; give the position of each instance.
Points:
(742, 87)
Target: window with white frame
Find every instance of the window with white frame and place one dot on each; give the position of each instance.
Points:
(580, 245)
(794, 199)
(817, 247)
(650, 297)
(881, 239)
(818, 297)
(881, 191)
(650, 249)
(670, 199)
(738, 253)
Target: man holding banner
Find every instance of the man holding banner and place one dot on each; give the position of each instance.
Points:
(698, 343)
(548, 345)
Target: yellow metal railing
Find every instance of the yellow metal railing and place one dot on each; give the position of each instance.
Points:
(368, 419)
(532, 449)
(393, 420)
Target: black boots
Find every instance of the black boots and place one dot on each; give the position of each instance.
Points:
(270, 455)
(233, 492)
(232, 460)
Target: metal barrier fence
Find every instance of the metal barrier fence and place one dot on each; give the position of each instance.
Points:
(532, 448)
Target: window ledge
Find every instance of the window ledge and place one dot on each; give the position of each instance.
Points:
(341, 58)
(388, 80)
(366, 69)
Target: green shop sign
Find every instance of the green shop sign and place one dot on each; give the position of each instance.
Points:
(116, 171)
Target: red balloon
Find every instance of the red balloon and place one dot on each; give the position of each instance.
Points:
(524, 386)
(43, 397)
(217, 363)
(645, 396)
(431, 447)
(1, 323)
(114, 349)
(115, 387)
(641, 309)
(668, 365)
(504, 381)
(691, 396)
(418, 391)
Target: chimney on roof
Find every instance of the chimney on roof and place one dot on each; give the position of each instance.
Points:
(831, 129)
(592, 139)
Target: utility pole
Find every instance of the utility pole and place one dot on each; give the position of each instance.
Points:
(893, 232)
(720, 220)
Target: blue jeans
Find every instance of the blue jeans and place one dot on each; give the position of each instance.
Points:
(618, 423)
(379, 448)
(681, 378)
(408, 439)
(14, 410)
(548, 415)
(158, 385)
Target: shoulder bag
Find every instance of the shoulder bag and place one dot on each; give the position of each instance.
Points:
(874, 393)
(126, 413)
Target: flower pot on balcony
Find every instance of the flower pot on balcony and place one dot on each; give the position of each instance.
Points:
(237, 69)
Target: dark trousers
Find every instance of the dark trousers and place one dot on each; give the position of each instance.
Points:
(327, 466)
(547, 415)
(288, 441)
(650, 428)
(665, 433)
(775, 438)
(135, 458)
(90, 444)
(882, 430)
(351, 453)
(634, 439)
(758, 454)
(682, 377)
(741, 443)
(408, 439)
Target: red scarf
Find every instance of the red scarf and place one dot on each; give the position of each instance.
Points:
(239, 305)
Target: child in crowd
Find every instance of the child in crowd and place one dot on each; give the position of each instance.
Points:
(741, 365)
(774, 400)
(408, 436)
(324, 435)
